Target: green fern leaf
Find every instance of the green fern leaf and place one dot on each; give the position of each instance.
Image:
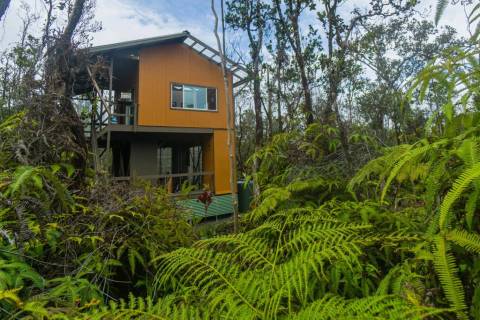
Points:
(409, 156)
(447, 270)
(460, 184)
(469, 241)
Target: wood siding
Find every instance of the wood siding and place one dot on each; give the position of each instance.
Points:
(221, 163)
(176, 63)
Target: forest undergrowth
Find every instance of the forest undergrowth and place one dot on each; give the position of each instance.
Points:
(372, 232)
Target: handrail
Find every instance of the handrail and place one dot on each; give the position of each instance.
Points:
(164, 176)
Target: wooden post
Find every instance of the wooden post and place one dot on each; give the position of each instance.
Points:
(93, 133)
(99, 92)
(110, 104)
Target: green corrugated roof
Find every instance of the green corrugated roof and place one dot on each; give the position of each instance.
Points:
(220, 205)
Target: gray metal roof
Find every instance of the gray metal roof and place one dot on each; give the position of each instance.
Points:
(240, 73)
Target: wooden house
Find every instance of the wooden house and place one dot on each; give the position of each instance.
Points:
(160, 108)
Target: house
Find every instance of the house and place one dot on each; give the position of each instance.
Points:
(160, 109)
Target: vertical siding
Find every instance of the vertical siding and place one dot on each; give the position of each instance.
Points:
(159, 67)
(222, 166)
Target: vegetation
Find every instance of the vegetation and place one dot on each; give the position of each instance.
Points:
(375, 216)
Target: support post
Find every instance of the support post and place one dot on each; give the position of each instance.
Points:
(110, 88)
(93, 132)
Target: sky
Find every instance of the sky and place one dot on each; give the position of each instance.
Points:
(124, 20)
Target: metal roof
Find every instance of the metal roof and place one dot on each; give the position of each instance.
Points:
(221, 205)
(239, 72)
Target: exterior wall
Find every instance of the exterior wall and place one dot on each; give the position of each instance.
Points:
(221, 163)
(143, 158)
(158, 68)
(161, 66)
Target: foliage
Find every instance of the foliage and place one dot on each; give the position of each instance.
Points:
(399, 239)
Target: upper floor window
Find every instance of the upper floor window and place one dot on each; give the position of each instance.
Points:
(193, 97)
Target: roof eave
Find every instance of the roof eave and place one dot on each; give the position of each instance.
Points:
(178, 37)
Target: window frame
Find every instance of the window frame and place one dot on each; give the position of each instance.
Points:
(183, 97)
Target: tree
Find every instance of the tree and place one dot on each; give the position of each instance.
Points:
(339, 43)
(230, 120)
(39, 74)
(396, 51)
(288, 14)
(251, 16)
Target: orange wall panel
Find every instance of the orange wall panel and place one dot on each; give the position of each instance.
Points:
(159, 67)
(222, 165)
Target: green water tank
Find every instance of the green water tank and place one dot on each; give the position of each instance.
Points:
(245, 195)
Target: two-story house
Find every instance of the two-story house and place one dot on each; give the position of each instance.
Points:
(160, 109)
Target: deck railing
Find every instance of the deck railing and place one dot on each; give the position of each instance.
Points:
(173, 182)
(111, 113)
(118, 112)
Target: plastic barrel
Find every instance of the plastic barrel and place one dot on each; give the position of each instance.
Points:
(245, 194)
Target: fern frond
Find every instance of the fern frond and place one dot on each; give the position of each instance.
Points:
(460, 184)
(446, 269)
(145, 308)
(379, 166)
(433, 183)
(212, 273)
(253, 252)
(374, 307)
(11, 295)
(467, 240)
(471, 206)
(271, 199)
(410, 155)
(326, 232)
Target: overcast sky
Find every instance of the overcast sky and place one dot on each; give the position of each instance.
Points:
(134, 19)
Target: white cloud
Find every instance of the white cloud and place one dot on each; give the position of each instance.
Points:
(122, 20)
(11, 26)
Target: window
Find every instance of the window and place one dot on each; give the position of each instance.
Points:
(177, 96)
(194, 97)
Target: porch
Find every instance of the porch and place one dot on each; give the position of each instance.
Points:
(181, 162)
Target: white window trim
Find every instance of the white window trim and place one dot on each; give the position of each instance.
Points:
(195, 97)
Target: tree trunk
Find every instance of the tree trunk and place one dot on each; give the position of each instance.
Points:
(269, 106)
(295, 42)
(280, 59)
(307, 107)
(60, 79)
(230, 130)
(257, 103)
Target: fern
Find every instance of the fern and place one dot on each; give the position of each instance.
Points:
(280, 267)
(410, 155)
(144, 308)
(460, 184)
(374, 307)
(471, 206)
(11, 296)
(469, 241)
(447, 271)
(378, 167)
